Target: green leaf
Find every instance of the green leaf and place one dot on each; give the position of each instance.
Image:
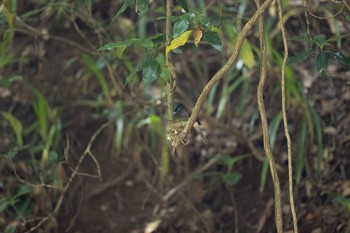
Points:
(125, 43)
(184, 5)
(147, 43)
(247, 54)
(342, 58)
(213, 39)
(229, 161)
(5, 202)
(6, 81)
(232, 179)
(150, 70)
(263, 174)
(142, 6)
(320, 40)
(273, 128)
(41, 109)
(24, 189)
(180, 27)
(95, 70)
(157, 38)
(344, 201)
(164, 72)
(322, 63)
(298, 58)
(182, 24)
(133, 75)
(302, 145)
(126, 4)
(16, 126)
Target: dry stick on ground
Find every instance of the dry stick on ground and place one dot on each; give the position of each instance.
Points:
(226, 67)
(264, 124)
(75, 172)
(284, 116)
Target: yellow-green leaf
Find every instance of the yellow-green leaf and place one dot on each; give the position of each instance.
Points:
(179, 41)
(16, 126)
(247, 55)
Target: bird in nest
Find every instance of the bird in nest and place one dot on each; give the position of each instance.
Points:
(176, 126)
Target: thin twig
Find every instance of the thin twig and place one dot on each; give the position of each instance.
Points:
(75, 173)
(183, 184)
(31, 30)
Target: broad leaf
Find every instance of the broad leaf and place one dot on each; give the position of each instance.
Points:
(179, 41)
(150, 70)
(322, 63)
(184, 5)
(213, 39)
(147, 43)
(320, 40)
(182, 24)
(342, 58)
(164, 72)
(298, 58)
(142, 6)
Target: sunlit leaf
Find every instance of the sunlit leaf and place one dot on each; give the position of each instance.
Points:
(322, 63)
(214, 29)
(213, 39)
(247, 55)
(142, 6)
(184, 5)
(152, 226)
(298, 58)
(179, 41)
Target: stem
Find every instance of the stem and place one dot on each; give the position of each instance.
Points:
(226, 67)
(172, 81)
